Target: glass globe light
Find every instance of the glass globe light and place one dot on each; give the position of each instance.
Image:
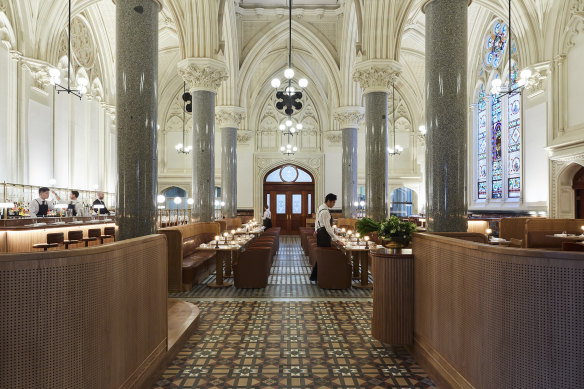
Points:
(83, 90)
(289, 123)
(303, 82)
(178, 146)
(295, 148)
(422, 130)
(282, 127)
(288, 73)
(190, 201)
(177, 200)
(290, 90)
(299, 126)
(288, 146)
(292, 130)
(275, 83)
(356, 203)
(362, 203)
(54, 72)
(160, 198)
(525, 74)
(282, 148)
(222, 203)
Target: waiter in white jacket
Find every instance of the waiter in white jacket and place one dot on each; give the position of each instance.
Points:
(323, 228)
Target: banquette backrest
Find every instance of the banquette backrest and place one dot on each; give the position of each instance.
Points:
(513, 227)
(537, 231)
(347, 223)
(230, 223)
(190, 234)
(470, 236)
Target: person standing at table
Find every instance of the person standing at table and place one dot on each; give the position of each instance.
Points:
(99, 201)
(74, 205)
(323, 228)
(267, 218)
(40, 206)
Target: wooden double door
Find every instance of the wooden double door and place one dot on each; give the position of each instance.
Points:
(290, 205)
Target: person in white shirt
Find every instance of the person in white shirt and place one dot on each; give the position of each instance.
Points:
(323, 228)
(267, 218)
(40, 206)
(75, 206)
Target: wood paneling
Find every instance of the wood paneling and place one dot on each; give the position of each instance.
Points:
(393, 299)
(498, 317)
(89, 318)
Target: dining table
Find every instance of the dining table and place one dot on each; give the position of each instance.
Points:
(360, 252)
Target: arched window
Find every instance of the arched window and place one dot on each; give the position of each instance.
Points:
(289, 173)
(497, 173)
(173, 192)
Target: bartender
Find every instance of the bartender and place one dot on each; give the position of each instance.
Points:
(40, 206)
(99, 201)
(75, 206)
(267, 218)
(323, 228)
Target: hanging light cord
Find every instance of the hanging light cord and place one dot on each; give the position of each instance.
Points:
(69, 51)
(393, 104)
(184, 109)
(290, 46)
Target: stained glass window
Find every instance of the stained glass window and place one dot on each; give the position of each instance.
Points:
(280, 203)
(496, 155)
(482, 144)
(514, 148)
(296, 203)
(496, 43)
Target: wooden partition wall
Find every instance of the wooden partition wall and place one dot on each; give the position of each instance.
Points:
(85, 318)
(498, 317)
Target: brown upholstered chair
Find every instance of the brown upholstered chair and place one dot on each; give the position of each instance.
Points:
(252, 268)
(96, 233)
(334, 271)
(572, 246)
(53, 240)
(110, 231)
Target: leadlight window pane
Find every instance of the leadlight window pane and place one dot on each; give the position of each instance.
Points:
(289, 173)
(274, 176)
(281, 203)
(496, 154)
(303, 176)
(309, 203)
(482, 144)
(297, 203)
(514, 151)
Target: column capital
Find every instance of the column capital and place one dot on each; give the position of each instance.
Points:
(376, 75)
(349, 116)
(578, 9)
(202, 73)
(229, 116)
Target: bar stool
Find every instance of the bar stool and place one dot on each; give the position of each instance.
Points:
(110, 231)
(96, 233)
(53, 240)
(78, 236)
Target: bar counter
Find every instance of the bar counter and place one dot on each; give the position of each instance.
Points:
(19, 235)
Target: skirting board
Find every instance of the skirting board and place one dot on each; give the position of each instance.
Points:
(442, 372)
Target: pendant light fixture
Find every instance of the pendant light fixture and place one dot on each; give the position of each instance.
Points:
(187, 107)
(397, 149)
(55, 73)
(497, 87)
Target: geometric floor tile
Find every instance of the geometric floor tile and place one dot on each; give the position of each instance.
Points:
(289, 344)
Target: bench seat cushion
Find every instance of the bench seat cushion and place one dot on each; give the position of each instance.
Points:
(197, 266)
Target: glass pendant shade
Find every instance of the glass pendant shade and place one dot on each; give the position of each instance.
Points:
(289, 73)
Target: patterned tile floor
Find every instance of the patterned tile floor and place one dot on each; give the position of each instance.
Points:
(308, 340)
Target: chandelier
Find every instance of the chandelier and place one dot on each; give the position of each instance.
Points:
(497, 87)
(187, 107)
(396, 149)
(55, 73)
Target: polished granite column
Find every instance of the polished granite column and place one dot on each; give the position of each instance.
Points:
(137, 102)
(376, 78)
(228, 118)
(446, 115)
(349, 118)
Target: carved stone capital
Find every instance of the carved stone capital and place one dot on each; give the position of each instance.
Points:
(536, 83)
(376, 75)
(349, 117)
(39, 71)
(202, 73)
(578, 9)
(334, 137)
(229, 116)
(244, 136)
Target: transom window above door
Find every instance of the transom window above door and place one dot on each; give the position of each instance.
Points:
(289, 173)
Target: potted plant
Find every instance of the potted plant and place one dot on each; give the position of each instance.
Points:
(397, 232)
(366, 226)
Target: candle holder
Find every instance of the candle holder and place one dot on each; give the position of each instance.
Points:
(217, 241)
(366, 238)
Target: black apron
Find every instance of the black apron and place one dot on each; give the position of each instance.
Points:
(323, 239)
(267, 223)
(43, 208)
(71, 207)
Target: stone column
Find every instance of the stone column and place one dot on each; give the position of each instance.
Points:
(446, 115)
(137, 102)
(203, 77)
(349, 118)
(376, 78)
(228, 119)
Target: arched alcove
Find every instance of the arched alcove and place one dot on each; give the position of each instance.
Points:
(175, 192)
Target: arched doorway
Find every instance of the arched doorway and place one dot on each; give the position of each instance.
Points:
(578, 186)
(289, 192)
(172, 193)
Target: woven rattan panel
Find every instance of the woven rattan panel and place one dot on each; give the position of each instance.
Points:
(81, 321)
(501, 320)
